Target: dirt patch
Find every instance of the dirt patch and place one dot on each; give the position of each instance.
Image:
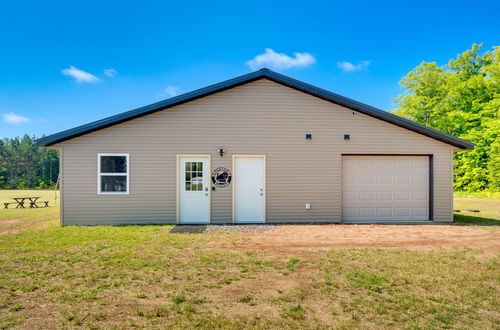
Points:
(10, 231)
(258, 290)
(9, 222)
(413, 237)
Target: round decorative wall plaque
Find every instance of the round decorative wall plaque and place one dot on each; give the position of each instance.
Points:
(221, 177)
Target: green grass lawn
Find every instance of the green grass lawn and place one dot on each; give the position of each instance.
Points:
(144, 276)
(487, 204)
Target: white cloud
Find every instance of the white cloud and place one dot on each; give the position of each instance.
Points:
(80, 76)
(169, 91)
(349, 67)
(110, 73)
(12, 118)
(274, 60)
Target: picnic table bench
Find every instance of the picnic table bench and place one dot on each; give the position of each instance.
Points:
(22, 200)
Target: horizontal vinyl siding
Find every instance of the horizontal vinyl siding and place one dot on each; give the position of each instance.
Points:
(260, 118)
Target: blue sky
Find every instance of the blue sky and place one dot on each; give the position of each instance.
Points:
(66, 63)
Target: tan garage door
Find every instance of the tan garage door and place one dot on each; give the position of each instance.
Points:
(388, 188)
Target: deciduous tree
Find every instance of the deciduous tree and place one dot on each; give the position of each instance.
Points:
(461, 98)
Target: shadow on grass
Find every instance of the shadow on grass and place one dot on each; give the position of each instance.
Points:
(478, 221)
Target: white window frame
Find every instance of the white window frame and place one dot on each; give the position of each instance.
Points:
(99, 174)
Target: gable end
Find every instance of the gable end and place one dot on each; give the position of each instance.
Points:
(238, 81)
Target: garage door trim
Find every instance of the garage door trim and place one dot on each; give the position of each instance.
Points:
(431, 175)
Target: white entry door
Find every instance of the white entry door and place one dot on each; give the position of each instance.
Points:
(249, 189)
(385, 188)
(194, 190)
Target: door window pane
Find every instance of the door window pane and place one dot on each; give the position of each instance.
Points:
(193, 176)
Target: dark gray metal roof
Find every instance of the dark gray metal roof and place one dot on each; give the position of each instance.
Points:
(238, 81)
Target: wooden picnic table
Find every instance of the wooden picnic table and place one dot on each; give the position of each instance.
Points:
(21, 200)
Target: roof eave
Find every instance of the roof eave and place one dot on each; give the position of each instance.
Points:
(148, 109)
(238, 81)
(371, 111)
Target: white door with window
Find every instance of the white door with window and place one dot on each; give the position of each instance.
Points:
(249, 189)
(194, 190)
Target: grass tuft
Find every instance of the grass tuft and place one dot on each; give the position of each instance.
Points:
(295, 312)
(245, 299)
(179, 299)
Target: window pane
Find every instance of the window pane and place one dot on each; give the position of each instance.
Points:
(193, 166)
(197, 186)
(188, 176)
(199, 167)
(188, 166)
(188, 187)
(113, 164)
(115, 183)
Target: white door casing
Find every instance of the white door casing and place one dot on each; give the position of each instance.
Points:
(193, 189)
(385, 188)
(249, 189)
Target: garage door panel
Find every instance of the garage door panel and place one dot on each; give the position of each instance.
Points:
(365, 179)
(420, 212)
(365, 163)
(350, 196)
(420, 195)
(419, 163)
(401, 164)
(385, 188)
(420, 179)
(366, 212)
(384, 195)
(403, 211)
(366, 195)
(384, 212)
(351, 179)
(384, 178)
(402, 195)
(350, 162)
(401, 179)
(350, 212)
(381, 163)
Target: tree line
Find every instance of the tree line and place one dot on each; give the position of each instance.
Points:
(24, 165)
(461, 98)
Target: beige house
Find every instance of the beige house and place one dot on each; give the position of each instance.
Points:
(260, 148)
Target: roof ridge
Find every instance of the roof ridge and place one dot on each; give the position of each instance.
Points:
(244, 79)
